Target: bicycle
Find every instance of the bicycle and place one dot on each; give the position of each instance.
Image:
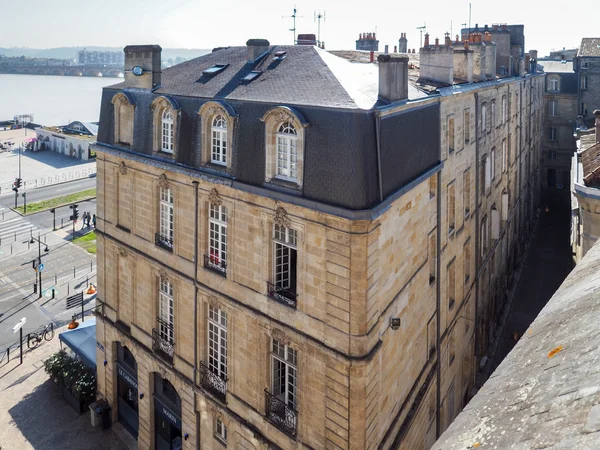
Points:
(35, 337)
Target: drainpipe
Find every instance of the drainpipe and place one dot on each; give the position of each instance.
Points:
(378, 139)
(195, 183)
(477, 227)
(438, 300)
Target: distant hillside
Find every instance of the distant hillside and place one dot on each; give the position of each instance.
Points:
(71, 52)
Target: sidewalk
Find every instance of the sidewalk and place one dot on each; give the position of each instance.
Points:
(33, 414)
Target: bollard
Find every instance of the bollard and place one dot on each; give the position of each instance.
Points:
(53, 293)
(15, 236)
(55, 279)
(68, 289)
(91, 263)
(73, 272)
(87, 282)
(11, 249)
(34, 288)
(61, 222)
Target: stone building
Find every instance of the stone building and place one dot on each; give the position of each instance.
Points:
(587, 67)
(367, 42)
(558, 142)
(566, 54)
(94, 57)
(295, 251)
(74, 139)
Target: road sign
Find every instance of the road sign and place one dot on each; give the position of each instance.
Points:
(40, 267)
(18, 326)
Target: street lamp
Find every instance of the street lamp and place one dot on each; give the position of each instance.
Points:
(46, 249)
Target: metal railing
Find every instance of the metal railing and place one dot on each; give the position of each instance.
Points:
(160, 342)
(33, 339)
(280, 414)
(48, 181)
(163, 241)
(214, 264)
(285, 296)
(213, 382)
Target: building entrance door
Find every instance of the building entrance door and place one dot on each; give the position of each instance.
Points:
(127, 390)
(167, 415)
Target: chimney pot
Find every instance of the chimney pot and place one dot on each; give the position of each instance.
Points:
(437, 42)
(426, 43)
(395, 49)
(255, 48)
(457, 41)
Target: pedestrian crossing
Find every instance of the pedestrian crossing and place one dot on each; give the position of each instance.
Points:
(12, 224)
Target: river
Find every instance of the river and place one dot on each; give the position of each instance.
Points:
(53, 100)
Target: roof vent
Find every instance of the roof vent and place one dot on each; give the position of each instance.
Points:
(252, 76)
(212, 71)
(280, 55)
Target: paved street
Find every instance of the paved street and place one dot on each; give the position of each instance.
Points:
(34, 415)
(547, 264)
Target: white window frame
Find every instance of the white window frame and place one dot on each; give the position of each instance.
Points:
(552, 134)
(167, 217)
(583, 109)
(286, 152)
(584, 82)
(166, 311)
(285, 240)
(467, 125)
(493, 165)
(220, 431)
(467, 191)
(553, 108)
(493, 114)
(284, 373)
(217, 342)
(487, 174)
(450, 133)
(504, 156)
(218, 154)
(554, 85)
(166, 135)
(504, 109)
(217, 235)
(483, 117)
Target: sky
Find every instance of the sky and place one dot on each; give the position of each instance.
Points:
(202, 24)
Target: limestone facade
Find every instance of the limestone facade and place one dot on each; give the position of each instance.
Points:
(438, 255)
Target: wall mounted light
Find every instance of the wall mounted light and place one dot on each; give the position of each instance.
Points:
(141, 395)
(186, 436)
(394, 323)
(105, 362)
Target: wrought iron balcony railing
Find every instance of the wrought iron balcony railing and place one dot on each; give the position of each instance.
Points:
(161, 341)
(281, 415)
(215, 264)
(213, 382)
(163, 241)
(282, 295)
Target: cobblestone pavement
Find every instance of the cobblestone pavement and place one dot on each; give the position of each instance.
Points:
(37, 167)
(33, 414)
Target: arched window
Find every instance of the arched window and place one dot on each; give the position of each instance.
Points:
(219, 140)
(287, 151)
(123, 120)
(167, 131)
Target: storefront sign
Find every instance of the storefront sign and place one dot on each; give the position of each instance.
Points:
(166, 412)
(128, 378)
(100, 346)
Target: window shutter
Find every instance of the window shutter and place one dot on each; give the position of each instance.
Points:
(495, 224)
(505, 206)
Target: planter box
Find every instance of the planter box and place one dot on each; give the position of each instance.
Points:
(76, 403)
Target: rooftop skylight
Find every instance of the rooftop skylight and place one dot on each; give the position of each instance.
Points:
(252, 76)
(217, 68)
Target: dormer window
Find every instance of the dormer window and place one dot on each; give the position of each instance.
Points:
(219, 140)
(123, 119)
(167, 132)
(287, 151)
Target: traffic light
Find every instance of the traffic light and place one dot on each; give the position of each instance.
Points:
(18, 182)
(75, 208)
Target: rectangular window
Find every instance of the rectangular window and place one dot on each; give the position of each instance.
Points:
(451, 355)
(431, 255)
(495, 223)
(221, 431)
(284, 267)
(585, 65)
(431, 337)
(552, 134)
(467, 191)
(493, 114)
(433, 185)
(504, 156)
(219, 141)
(552, 155)
(483, 117)
(504, 110)
(486, 174)
(287, 156)
(553, 108)
(217, 238)
(451, 207)
(165, 312)
(167, 227)
(493, 164)
(451, 286)
(467, 260)
(450, 134)
(467, 126)
(584, 84)
(584, 109)
(284, 375)
(554, 84)
(484, 237)
(217, 342)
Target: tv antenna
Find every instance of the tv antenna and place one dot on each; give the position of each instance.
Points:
(318, 17)
(424, 27)
(464, 25)
(293, 16)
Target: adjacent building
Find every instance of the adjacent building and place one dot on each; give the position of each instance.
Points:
(367, 42)
(102, 58)
(587, 67)
(558, 141)
(295, 251)
(74, 139)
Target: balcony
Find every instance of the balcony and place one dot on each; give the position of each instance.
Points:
(160, 343)
(281, 415)
(213, 382)
(282, 295)
(213, 264)
(163, 242)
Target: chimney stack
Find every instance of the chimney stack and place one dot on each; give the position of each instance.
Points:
(395, 49)
(597, 116)
(403, 43)
(146, 58)
(447, 40)
(386, 49)
(255, 48)
(371, 56)
(426, 43)
(393, 77)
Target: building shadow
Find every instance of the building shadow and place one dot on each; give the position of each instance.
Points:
(48, 423)
(51, 158)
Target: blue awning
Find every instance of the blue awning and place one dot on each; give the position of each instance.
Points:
(82, 340)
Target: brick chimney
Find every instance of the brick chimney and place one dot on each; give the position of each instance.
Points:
(256, 47)
(403, 43)
(146, 58)
(393, 77)
(597, 116)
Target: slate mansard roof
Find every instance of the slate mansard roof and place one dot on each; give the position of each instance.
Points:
(554, 66)
(590, 47)
(306, 76)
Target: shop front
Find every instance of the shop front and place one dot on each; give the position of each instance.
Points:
(127, 390)
(167, 415)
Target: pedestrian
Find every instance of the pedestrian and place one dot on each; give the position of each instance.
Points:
(88, 219)
(94, 221)
(83, 220)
